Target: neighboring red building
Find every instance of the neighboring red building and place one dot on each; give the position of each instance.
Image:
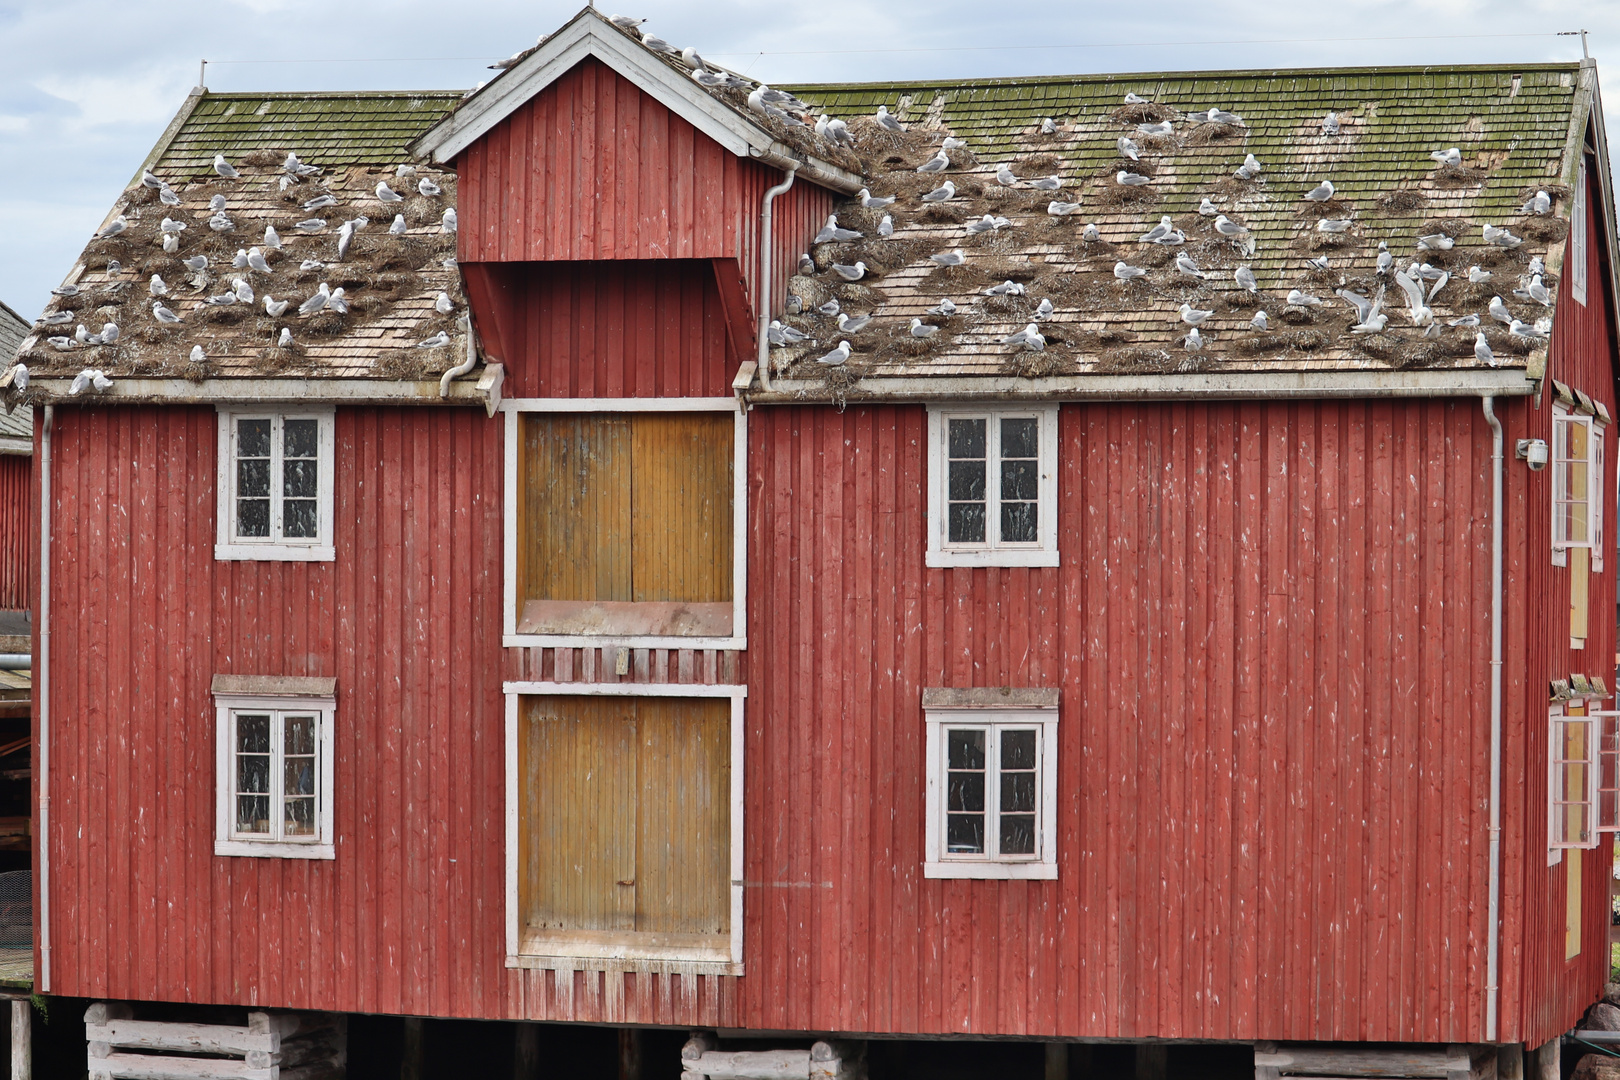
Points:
(1130, 689)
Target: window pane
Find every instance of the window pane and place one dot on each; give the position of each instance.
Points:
(299, 439)
(966, 749)
(253, 814)
(253, 478)
(1019, 437)
(300, 734)
(964, 834)
(1018, 749)
(253, 517)
(967, 480)
(253, 773)
(298, 479)
(1018, 834)
(299, 819)
(253, 735)
(299, 519)
(967, 439)
(1020, 480)
(965, 792)
(967, 523)
(253, 438)
(1018, 792)
(1018, 521)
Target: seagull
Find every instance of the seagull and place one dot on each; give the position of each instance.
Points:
(1193, 316)
(1476, 275)
(171, 243)
(436, 341)
(938, 163)
(1207, 208)
(840, 354)
(109, 333)
(780, 335)
(1006, 288)
(1047, 183)
(1173, 238)
(275, 308)
(61, 344)
(874, 202)
(1004, 176)
(385, 193)
(1259, 322)
(345, 238)
(1059, 208)
(240, 261)
(1330, 124)
(398, 228)
(1482, 350)
(272, 239)
(315, 303)
(295, 167)
(1537, 267)
(222, 299)
(658, 45)
(1525, 330)
(1029, 337)
(1132, 99)
(1162, 128)
(336, 303)
(1539, 203)
(150, 180)
(1091, 235)
(311, 224)
(225, 168)
(1499, 311)
(157, 286)
(443, 304)
(1418, 308)
(1221, 116)
(1364, 308)
(87, 379)
(920, 329)
(1302, 299)
(948, 258)
(197, 263)
(448, 222)
(82, 336)
(58, 318)
(952, 143)
(320, 202)
(625, 22)
(1321, 192)
(1245, 278)
(1193, 341)
(1333, 225)
(945, 308)
(888, 122)
(1249, 169)
(1466, 320)
(19, 377)
(217, 204)
(1129, 149)
(243, 291)
(852, 324)
(1385, 259)
(114, 227)
(1435, 242)
(1158, 232)
(167, 196)
(1227, 227)
(1185, 264)
(1044, 311)
(1451, 157)
(65, 290)
(1501, 237)
(221, 223)
(1538, 292)
(886, 226)
(850, 273)
(1048, 126)
(833, 233)
(285, 340)
(170, 225)
(713, 80)
(312, 264)
(806, 265)
(163, 314)
(1124, 271)
(943, 193)
(830, 307)
(1130, 179)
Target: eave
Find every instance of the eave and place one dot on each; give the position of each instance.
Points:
(483, 388)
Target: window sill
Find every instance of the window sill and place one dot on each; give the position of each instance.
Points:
(1003, 557)
(273, 553)
(618, 618)
(1022, 871)
(265, 849)
(610, 951)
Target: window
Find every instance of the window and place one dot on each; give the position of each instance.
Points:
(992, 494)
(992, 783)
(1576, 260)
(274, 766)
(1607, 723)
(1572, 783)
(625, 525)
(624, 837)
(275, 485)
(1577, 461)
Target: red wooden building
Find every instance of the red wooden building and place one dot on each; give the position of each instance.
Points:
(523, 636)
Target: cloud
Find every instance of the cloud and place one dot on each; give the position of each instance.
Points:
(10, 125)
(106, 101)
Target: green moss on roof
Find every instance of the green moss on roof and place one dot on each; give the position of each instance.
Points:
(322, 129)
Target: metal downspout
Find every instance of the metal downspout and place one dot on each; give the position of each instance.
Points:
(43, 683)
(764, 298)
(1493, 914)
(466, 365)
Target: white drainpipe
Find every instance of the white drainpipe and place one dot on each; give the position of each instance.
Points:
(1493, 915)
(466, 365)
(764, 296)
(42, 683)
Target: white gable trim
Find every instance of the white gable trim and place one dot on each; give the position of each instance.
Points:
(591, 35)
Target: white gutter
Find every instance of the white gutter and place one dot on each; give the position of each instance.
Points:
(42, 683)
(465, 366)
(1493, 914)
(764, 292)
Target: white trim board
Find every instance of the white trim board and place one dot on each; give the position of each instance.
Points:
(624, 957)
(513, 408)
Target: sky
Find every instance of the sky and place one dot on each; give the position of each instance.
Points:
(87, 86)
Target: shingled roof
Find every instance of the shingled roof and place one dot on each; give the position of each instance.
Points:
(1519, 130)
(391, 281)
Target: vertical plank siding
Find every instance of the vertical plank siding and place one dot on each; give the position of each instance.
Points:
(18, 529)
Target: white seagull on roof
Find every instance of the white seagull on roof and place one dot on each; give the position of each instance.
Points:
(1193, 316)
(944, 193)
(1130, 179)
(1124, 271)
(874, 202)
(1129, 149)
(1029, 337)
(225, 168)
(1501, 237)
(920, 329)
(1321, 192)
(1004, 175)
(1135, 99)
(1538, 204)
(1245, 279)
(1163, 127)
(1330, 124)
(1249, 169)
(1227, 227)
(834, 233)
(836, 357)
(850, 273)
(938, 163)
(885, 120)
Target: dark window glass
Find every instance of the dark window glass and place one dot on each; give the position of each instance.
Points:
(1018, 522)
(967, 439)
(1018, 834)
(1018, 792)
(967, 481)
(966, 750)
(964, 833)
(1020, 437)
(964, 791)
(298, 479)
(1018, 749)
(300, 438)
(967, 474)
(253, 478)
(253, 736)
(253, 517)
(299, 519)
(1020, 480)
(253, 438)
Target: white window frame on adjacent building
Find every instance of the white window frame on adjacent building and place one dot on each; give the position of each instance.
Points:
(275, 547)
(1566, 416)
(592, 956)
(992, 551)
(513, 408)
(1576, 258)
(993, 711)
(1563, 769)
(278, 697)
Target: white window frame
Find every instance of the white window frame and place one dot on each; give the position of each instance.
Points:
(992, 552)
(1577, 257)
(1558, 719)
(1607, 730)
(513, 408)
(1563, 415)
(278, 697)
(993, 709)
(649, 959)
(274, 548)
